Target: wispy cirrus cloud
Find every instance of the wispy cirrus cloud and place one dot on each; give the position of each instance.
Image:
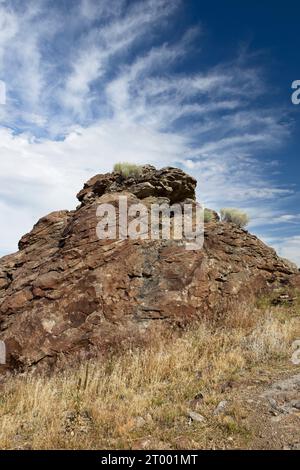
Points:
(91, 83)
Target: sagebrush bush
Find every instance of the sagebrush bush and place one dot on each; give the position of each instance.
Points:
(234, 216)
(127, 169)
(207, 216)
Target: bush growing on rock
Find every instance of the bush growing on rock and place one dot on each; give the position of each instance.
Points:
(207, 216)
(234, 216)
(127, 169)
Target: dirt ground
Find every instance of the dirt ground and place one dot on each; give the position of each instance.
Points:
(269, 406)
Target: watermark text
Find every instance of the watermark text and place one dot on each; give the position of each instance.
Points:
(2, 92)
(183, 222)
(296, 93)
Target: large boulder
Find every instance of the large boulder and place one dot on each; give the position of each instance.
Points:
(67, 295)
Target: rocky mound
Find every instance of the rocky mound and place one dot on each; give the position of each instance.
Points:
(170, 183)
(66, 294)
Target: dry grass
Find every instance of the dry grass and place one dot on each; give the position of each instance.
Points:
(127, 169)
(235, 216)
(140, 400)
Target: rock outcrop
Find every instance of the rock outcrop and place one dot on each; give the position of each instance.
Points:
(66, 294)
(170, 183)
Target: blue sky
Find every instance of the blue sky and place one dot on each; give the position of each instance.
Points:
(197, 84)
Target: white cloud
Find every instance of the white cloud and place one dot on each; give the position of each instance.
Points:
(288, 247)
(93, 9)
(110, 89)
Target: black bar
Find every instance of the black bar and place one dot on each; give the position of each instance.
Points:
(139, 459)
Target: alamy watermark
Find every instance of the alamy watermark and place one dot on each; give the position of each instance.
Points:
(2, 353)
(182, 222)
(296, 94)
(2, 92)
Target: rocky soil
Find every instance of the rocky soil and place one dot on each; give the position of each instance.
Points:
(270, 409)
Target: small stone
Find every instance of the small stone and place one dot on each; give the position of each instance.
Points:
(197, 400)
(149, 418)
(296, 404)
(273, 403)
(196, 417)
(276, 419)
(221, 407)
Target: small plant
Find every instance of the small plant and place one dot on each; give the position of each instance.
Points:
(207, 216)
(234, 216)
(127, 169)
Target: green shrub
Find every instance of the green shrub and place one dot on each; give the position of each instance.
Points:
(127, 169)
(234, 216)
(207, 216)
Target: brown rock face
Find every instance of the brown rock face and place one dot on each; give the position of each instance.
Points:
(66, 294)
(168, 182)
